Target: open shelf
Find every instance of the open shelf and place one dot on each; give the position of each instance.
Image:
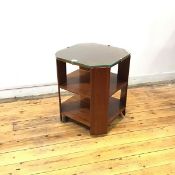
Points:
(78, 109)
(78, 82)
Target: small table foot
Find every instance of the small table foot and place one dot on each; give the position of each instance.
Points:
(124, 112)
(64, 119)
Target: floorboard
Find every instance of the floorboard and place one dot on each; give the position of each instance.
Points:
(34, 141)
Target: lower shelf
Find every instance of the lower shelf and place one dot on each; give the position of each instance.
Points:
(78, 109)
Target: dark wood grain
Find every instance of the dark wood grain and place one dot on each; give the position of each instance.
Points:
(78, 109)
(123, 74)
(61, 72)
(100, 82)
(79, 82)
(62, 78)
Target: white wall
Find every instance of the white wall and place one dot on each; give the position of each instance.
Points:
(31, 31)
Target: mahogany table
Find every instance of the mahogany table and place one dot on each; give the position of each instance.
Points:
(93, 84)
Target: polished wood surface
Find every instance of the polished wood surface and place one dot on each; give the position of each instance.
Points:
(78, 82)
(78, 109)
(97, 84)
(62, 78)
(100, 83)
(123, 74)
(35, 142)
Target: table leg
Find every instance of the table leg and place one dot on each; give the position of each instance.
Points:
(123, 73)
(100, 82)
(61, 77)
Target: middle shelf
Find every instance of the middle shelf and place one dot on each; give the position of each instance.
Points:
(78, 82)
(78, 109)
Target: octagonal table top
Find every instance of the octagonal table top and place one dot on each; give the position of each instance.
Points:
(92, 55)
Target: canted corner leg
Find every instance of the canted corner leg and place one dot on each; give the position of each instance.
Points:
(100, 78)
(99, 130)
(61, 77)
(123, 73)
(123, 98)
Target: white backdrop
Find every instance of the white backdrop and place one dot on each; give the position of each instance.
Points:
(31, 31)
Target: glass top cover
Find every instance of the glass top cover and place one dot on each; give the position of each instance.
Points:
(92, 55)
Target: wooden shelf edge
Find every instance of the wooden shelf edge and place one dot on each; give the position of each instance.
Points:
(77, 109)
(78, 82)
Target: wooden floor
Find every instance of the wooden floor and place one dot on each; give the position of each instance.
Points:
(33, 141)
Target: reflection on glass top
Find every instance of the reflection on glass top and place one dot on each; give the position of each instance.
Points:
(92, 55)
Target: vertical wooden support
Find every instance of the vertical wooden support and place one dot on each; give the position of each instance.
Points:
(100, 81)
(123, 73)
(62, 78)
